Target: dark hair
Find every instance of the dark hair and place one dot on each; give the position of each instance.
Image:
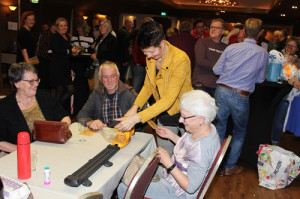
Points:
(199, 21)
(17, 70)
(150, 34)
(292, 38)
(239, 26)
(25, 15)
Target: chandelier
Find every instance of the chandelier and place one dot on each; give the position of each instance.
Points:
(219, 2)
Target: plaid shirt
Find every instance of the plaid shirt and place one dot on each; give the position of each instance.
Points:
(110, 108)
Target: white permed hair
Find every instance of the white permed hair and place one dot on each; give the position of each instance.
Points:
(199, 103)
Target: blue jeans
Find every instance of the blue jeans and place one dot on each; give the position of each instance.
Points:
(236, 105)
(138, 77)
(278, 121)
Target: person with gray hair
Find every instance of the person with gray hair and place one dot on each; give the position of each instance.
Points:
(240, 67)
(105, 48)
(24, 105)
(109, 101)
(182, 175)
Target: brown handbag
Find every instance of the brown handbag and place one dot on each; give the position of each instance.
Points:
(50, 131)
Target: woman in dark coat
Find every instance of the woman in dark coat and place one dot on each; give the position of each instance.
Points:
(60, 69)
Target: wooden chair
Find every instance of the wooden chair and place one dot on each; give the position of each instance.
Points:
(92, 195)
(214, 167)
(142, 178)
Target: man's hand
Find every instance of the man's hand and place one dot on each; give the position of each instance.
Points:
(95, 125)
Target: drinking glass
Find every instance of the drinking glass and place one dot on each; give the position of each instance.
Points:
(81, 129)
(33, 156)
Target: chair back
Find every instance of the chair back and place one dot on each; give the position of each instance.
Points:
(142, 179)
(214, 167)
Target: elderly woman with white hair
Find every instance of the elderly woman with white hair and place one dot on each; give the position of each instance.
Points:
(194, 152)
(105, 48)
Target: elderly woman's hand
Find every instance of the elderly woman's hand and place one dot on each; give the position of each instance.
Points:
(164, 132)
(128, 122)
(165, 158)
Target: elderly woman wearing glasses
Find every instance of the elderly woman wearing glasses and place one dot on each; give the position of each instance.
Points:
(24, 105)
(194, 152)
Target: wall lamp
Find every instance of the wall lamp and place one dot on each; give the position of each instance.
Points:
(12, 8)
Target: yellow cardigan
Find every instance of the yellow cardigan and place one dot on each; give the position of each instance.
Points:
(172, 80)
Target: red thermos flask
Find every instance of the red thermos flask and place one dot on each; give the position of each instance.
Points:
(24, 160)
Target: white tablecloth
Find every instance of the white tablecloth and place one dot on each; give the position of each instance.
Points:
(64, 159)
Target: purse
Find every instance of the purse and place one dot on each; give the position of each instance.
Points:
(89, 72)
(34, 60)
(51, 131)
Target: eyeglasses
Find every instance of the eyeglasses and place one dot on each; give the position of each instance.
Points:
(185, 118)
(216, 27)
(291, 46)
(31, 82)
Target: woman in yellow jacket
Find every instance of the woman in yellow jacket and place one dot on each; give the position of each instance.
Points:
(168, 76)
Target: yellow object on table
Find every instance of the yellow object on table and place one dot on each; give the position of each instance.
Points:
(122, 138)
(88, 132)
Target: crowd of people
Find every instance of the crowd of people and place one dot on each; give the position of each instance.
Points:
(196, 75)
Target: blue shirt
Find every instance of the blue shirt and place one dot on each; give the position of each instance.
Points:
(242, 65)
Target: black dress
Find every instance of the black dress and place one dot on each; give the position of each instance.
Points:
(25, 41)
(60, 67)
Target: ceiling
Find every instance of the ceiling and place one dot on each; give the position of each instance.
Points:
(246, 6)
(274, 7)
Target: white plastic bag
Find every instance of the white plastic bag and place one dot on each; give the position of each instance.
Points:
(276, 166)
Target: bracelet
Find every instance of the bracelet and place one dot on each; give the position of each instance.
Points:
(171, 168)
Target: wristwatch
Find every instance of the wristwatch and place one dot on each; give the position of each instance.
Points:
(171, 168)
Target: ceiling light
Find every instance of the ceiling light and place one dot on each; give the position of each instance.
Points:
(219, 2)
(282, 15)
(101, 16)
(12, 8)
(85, 17)
(295, 7)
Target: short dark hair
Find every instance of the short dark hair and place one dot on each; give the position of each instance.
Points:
(292, 38)
(199, 21)
(17, 70)
(150, 34)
